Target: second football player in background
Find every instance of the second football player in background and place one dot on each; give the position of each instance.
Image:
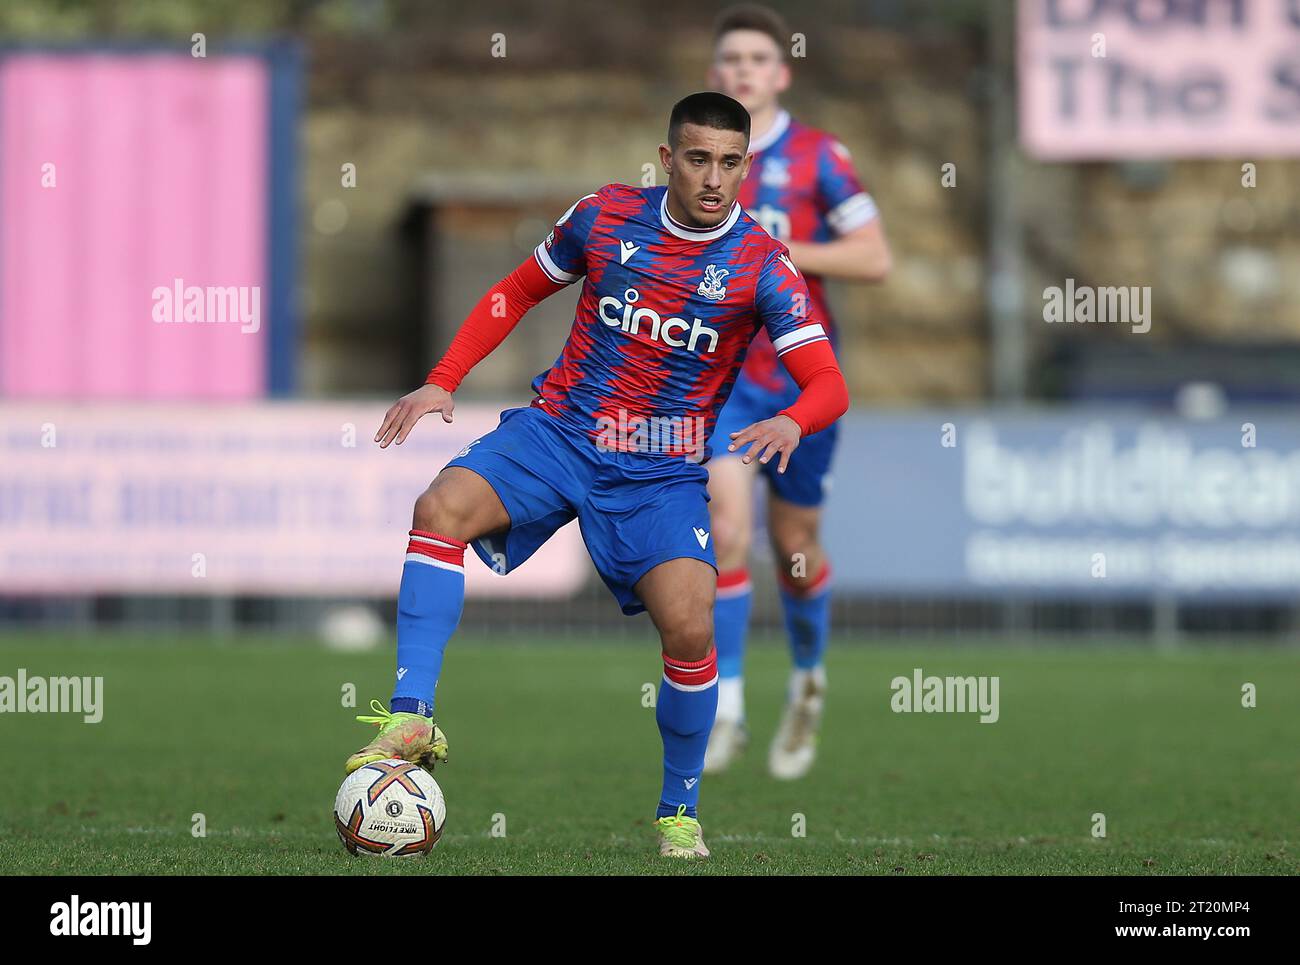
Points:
(802, 188)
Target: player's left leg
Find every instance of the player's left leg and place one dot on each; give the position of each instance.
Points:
(803, 575)
(678, 595)
(646, 525)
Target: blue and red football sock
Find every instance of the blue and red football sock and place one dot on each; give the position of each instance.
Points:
(688, 701)
(429, 605)
(807, 617)
(730, 628)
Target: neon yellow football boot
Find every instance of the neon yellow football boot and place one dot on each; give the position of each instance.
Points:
(680, 836)
(410, 737)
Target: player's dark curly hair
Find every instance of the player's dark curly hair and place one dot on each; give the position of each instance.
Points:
(708, 108)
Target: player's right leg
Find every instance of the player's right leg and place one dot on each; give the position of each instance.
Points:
(731, 511)
(505, 494)
(459, 506)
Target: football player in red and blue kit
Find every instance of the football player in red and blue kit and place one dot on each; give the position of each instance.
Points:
(802, 188)
(676, 281)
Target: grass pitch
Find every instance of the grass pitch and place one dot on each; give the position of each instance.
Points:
(551, 741)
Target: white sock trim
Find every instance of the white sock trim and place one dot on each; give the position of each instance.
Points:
(731, 698)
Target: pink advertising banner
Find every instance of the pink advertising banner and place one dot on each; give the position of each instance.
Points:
(1103, 79)
(259, 498)
(133, 259)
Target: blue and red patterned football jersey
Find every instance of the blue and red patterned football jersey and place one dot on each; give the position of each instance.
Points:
(801, 186)
(665, 317)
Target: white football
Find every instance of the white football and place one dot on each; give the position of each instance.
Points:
(391, 808)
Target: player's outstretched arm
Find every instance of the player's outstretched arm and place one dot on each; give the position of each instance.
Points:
(823, 398)
(486, 327)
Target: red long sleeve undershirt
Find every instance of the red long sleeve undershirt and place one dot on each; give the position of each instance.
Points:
(823, 395)
(491, 320)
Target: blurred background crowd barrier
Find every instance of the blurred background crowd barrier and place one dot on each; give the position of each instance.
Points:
(232, 233)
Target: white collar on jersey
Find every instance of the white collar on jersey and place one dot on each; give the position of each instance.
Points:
(772, 134)
(687, 233)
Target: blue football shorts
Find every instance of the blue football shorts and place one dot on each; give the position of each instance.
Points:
(635, 510)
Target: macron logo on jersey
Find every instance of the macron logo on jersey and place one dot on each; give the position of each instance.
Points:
(785, 260)
(626, 250)
(701, 536)
(661, 329)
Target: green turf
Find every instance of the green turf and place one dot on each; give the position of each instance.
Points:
(554, 737)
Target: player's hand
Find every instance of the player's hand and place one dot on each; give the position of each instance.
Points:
(780, 434)
(406, 412)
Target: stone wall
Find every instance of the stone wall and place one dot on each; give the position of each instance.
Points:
(406, 89)
(903, 106)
